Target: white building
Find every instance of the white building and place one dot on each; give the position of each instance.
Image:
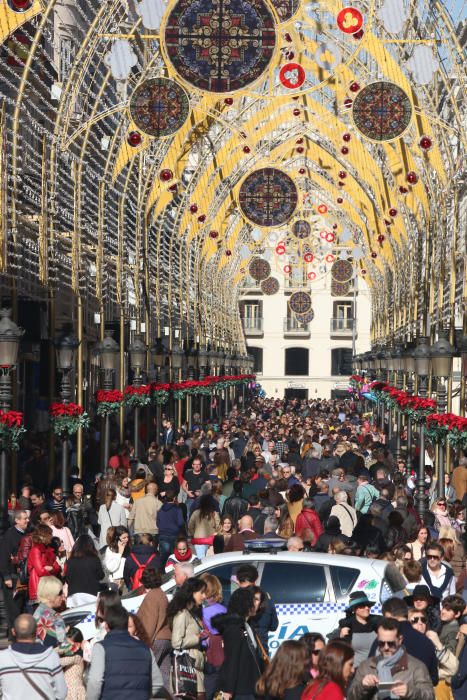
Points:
(312, 360)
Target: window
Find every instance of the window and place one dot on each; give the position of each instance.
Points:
(225, 574)
(294, 583)
(296, 362)
(341, 361)
(343, 309)
(258, 358)
(343, 580)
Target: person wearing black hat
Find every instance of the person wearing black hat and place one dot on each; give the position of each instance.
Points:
(422, 600)
(359, 626)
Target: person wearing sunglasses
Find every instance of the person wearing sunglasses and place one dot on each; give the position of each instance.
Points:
(438, 576)
(392, 672)
(358, 627)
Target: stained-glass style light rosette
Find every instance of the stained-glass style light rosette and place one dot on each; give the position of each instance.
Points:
(339, 289)
(342, 271)
(300, 302)
(220, 45)
(159, 107)
(306, 317)
(268, 197)
(382, 111)
(259, 269)
(301, 228)
(270, 286)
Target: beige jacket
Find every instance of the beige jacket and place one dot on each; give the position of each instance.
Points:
(203, 527)
(144, 513)
(185, 635)
(409, 670)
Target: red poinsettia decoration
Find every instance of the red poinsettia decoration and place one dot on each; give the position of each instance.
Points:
(11, 429)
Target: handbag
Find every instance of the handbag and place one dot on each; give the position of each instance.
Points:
(264, 654)
(184, 680)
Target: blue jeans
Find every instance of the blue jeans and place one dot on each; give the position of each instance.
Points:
(166, 547)
(201, 550)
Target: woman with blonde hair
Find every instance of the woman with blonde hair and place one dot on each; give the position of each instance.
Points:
(214, 649)
(51, 629)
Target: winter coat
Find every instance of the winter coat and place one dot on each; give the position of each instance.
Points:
(170, 522)
(40, 663)
(83, 575)
(185, 635)
(202, 528)
(239, 653)
(144, 514)
(265, 621)
(153, 615)
(408, 670)
(39, 557)
(308, 526)
(347, 517)
(361, 636)
(113, 517)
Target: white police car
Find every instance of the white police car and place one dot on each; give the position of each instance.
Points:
(310, 590)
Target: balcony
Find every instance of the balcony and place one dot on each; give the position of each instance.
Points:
(342, 327)
(294, 329)
(253, 327)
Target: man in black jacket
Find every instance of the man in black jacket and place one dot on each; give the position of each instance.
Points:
(8, 549)
(415, 643)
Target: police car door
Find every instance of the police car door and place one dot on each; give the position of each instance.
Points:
(303, 596)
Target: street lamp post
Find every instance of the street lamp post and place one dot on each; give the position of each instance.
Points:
(409, 366)
(203, 362)
(138, 353)
(177, 364)
(422, 366)
(158, 353)
(10, 336)
(65, 349)
(389, 368)
(442, 353)
(398, 361)
(109, 351)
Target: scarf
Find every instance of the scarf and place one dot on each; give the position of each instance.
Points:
(183, 557)
(383, 671)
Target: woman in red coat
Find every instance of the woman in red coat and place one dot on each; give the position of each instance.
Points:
(308, 526)
(41, 559)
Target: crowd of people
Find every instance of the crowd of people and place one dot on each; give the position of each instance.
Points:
(302, 476)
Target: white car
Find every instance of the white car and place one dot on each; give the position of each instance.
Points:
(310, 590)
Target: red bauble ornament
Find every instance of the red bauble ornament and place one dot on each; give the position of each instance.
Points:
(341, 184)
(246, 149)
(393, 212)
(348, 102)
(388, 223)
(287, 37)
(134, 138)
(334, 226)
(299, 141)
(202, 218)
(363, 272)
(174, 187)
(354, 87)
(412, 178)
(426, 143)
(228, 253)
(193, 208)
(20, 5)
(228, 101)
(296, 113)
(166, 175)
(302, 171)
(214, 234)
(346, 137)
(290, 55)
(300, 149)
(342, 174)
(359, 35)
(403, 190)
(340, 200)
(374, 255)
(344, 150)
(380, 238)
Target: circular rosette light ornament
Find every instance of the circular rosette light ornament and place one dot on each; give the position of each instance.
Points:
(350, 20)
(300, 302)
(339, 289)
(308, 257)
(268, 197)
(20, 5)
(259, 269)
(219, 46)
(322, 209)
(292, 76)
(306, 317)
(287, 269)
(382, 111)
(301, 229)
(311, 276)
(342, 271)
(270, 286)
(159, 107)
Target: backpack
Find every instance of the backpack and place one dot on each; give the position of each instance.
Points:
(136, 579)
